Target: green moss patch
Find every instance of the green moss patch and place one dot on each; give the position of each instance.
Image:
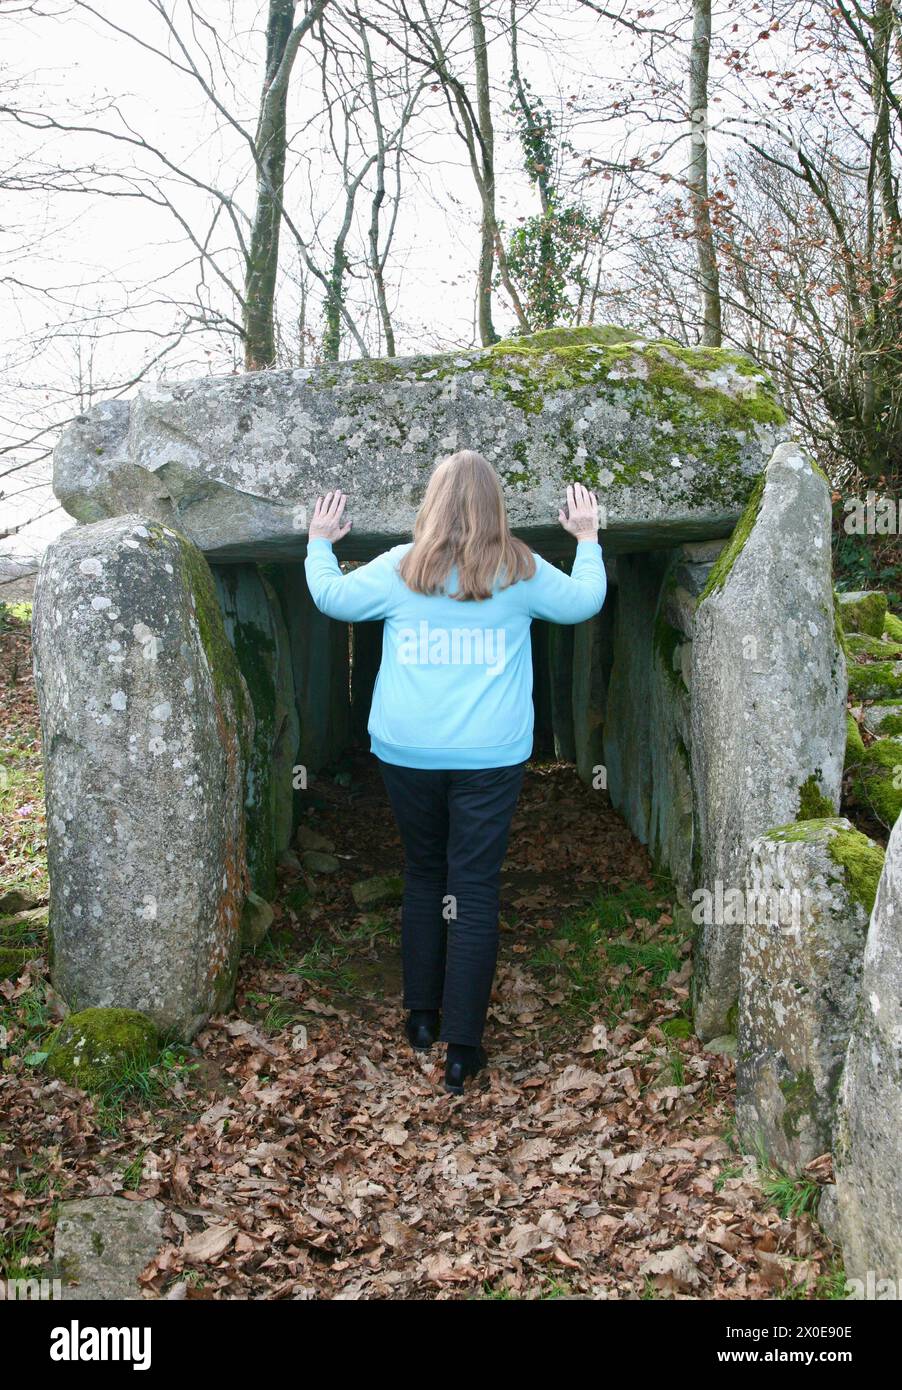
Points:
(876, 680)
(813, 804)
(725, 561)
(864, 612)
(874, 783)
(854, 743)
(13, 960)
(874, 648)
(862, 861)
(93, 1049)
(892, 627)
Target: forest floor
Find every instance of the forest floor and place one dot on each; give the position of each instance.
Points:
(299, 1147)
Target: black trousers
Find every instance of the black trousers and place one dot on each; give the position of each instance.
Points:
(454, 826)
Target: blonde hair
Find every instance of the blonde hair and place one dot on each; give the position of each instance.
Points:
(463, 522)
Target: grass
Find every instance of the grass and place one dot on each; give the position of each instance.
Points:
(144, 1081)
(615, 955)
(17, 1251)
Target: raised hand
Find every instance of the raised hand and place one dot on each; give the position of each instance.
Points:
(581, 516)
(326, 524)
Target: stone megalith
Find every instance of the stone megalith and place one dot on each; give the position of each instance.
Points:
(868, 1147)
(768, 689)
(809, 891)
(256, 629)
(671, 437)
(146, 727)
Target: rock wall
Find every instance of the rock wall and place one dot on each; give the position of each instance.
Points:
(147, 728)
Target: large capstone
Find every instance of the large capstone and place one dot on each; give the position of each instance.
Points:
(868, 1197)
(146, 727)
(768, 683)
(671, 438)
(809, 890)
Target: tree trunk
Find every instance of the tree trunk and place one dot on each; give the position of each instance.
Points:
(709, 278)
(283, 40)
(487, 334)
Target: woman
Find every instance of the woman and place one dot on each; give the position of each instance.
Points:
(451, 721)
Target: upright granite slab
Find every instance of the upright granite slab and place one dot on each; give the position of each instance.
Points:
(256, 629)
(146, 728)
(768, 690)
(809, 893)
(868, 1195)
(671, 438)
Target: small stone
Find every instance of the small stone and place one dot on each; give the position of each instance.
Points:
(724, 1046)
(91, 1049)
(17, 900)
(863, 611)
(317, 862)
(256, 919)
(290, 861)
(102, 1244)
(308, 838)
(372, 892)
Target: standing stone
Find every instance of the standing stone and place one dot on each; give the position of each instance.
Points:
(628, 719)
(102, 1244)
(320, 666)
(809, 891)
(868, 1205)
(367, 657)
(146, 727)
(560, 667)
(768, 690)
(592, 657)
(671, 830)
(256, 630)
(543, 726)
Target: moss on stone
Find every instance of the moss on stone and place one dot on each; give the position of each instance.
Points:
(875, 680)
(865, 612)
(94, 1048)
(892, 627)
(677, 1027)
(862, 861)
(800, 1095)
(813, 804)
(874, 648)
(13, 960)
(725, 561)
(859, 858)
(854, 743)
(667, 642)
(805, 831)
(710, 396)
(890, 724)
(877, 782)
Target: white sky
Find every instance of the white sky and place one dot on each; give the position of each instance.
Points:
(91, 249)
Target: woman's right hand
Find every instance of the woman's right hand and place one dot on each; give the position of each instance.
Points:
(581, 518)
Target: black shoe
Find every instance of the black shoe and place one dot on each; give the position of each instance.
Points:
(421, 1028)
(461, 1063)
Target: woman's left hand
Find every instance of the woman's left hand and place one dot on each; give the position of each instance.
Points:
(326, 521)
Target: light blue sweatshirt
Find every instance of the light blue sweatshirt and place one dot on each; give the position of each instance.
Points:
(454, 689)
